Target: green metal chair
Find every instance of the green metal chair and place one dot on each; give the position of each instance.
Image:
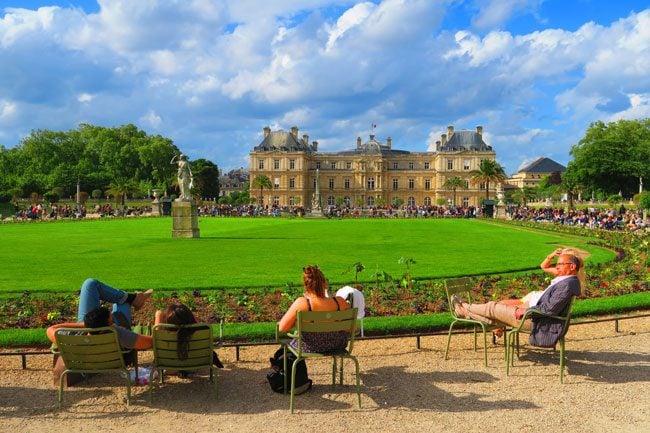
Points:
(199, 354)
(511, 337)
(91, 350)
(462, 287)
(321, 321)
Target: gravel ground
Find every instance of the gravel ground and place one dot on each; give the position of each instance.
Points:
(403, 388)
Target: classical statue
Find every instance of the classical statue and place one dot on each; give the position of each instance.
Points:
(185, 177)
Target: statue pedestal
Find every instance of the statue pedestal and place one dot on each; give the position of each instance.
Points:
(315, 213)
(185, 216)
(155, 208)
(500, 212)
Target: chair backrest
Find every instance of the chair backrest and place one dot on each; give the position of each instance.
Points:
(327, 321)
(455, 286)
(165, 346)
(567, 316)
(89, 349)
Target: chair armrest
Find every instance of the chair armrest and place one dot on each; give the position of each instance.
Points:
(530, 312)
(280, 337)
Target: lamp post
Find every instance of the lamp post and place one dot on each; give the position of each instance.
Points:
(78, 192)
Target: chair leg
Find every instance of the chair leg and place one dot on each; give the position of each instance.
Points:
(475, 345)
(485, 346)
(451, 327)
(562, 360)
(61, 379)
(341, 372)
(293, 383)
(284, 366)
(356, 366)
(334, 370)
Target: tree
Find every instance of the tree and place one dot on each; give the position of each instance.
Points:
(571, 186)
(612, 157)
(524, 195)
(489, 171)
(398, 202)
(206, 177)
(262, 181)
(453, 183)
(120, 188)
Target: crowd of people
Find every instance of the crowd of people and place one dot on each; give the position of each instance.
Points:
(587, 217)
(590, 217)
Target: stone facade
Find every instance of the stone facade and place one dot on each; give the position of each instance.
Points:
(532, 174)
(233, 181)
(371, 174)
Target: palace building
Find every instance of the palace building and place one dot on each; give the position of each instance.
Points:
(372, 174)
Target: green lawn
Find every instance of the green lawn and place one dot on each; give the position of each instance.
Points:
(247, 252)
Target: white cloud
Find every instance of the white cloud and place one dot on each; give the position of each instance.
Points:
(7, 109)
(85, 97)
(495, 13)
(151, 119)
(639, 108)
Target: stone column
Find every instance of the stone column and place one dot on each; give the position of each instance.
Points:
(185, 216)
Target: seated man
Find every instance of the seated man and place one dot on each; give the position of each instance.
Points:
(545, 332)
(92, 315)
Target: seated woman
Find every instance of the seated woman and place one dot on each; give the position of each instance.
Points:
(315, 299)
(180, 314)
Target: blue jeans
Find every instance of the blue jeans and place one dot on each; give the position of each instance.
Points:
(93, 292)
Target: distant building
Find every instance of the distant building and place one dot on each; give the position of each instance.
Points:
(234, 180)
(370, 174)
(533, 173)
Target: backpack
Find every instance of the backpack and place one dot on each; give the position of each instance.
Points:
(276, 377)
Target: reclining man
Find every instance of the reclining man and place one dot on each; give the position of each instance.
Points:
(545, 332)
(92, 315)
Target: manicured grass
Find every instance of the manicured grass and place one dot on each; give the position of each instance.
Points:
(372, 325)
(241, 252)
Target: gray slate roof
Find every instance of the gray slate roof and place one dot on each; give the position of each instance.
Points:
(465, 140)
(282, 140)
(543, 165)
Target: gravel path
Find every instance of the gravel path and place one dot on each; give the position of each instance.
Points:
(404, 389)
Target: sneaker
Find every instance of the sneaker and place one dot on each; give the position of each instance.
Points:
(141, 298)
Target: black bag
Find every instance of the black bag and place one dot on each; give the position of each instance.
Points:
(276, 377)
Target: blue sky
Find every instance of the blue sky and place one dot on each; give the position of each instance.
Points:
(211, 74)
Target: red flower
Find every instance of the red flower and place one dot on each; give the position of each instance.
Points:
(603, 284)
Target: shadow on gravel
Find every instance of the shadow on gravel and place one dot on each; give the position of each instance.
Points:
(397, 388)
(609, 367)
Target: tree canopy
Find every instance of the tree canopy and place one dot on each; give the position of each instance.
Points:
(97, 157)
(611, 157)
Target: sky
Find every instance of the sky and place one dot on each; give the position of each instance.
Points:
(211, 74)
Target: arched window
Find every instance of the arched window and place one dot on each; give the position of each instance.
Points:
(346, 200)
(411, 202)
(330, 200)
(371, 201)
(427, 201)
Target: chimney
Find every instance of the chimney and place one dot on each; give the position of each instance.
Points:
(294, 132)
(358, 142)
(305, 139)
(438, 145)
(389, 142)
(267, 131)
(443, 138)
(314, 145)
(450, 131)
(479, 130)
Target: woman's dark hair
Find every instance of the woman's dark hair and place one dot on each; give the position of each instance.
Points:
(179, 314)
(97, 318)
